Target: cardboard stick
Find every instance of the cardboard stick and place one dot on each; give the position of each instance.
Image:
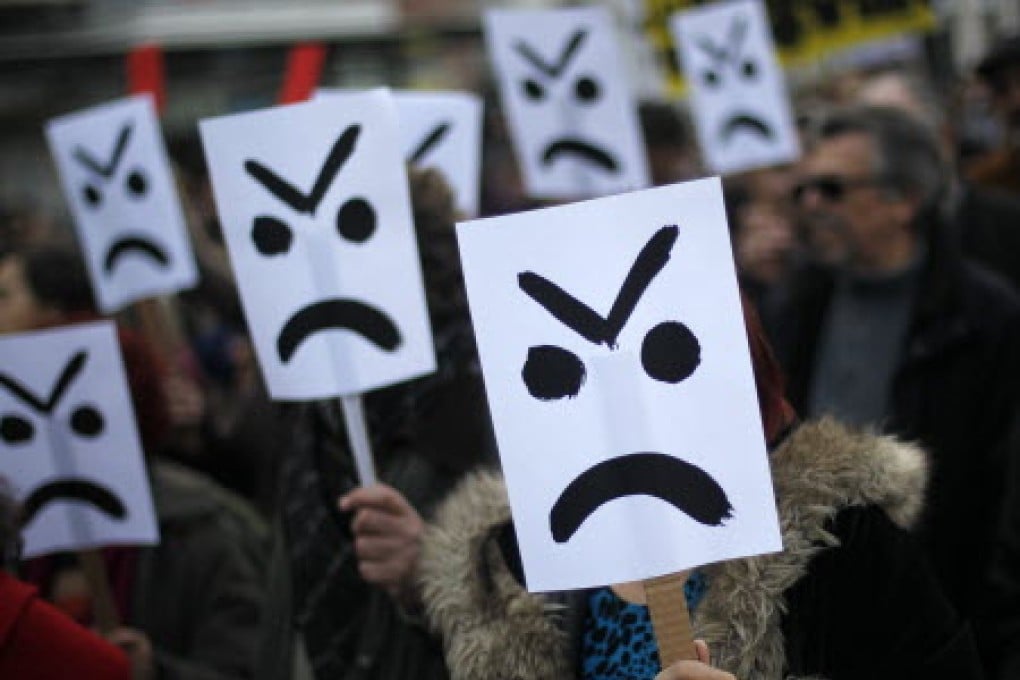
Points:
(103, 609)
(670, 620)
(357, 435)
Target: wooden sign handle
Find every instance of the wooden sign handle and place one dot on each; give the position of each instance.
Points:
(103, 609)
(670, 620)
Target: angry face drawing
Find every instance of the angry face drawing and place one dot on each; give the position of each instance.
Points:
(618, 376)
(314, 202)
(68, 440)
(571, 112)
(117, 181)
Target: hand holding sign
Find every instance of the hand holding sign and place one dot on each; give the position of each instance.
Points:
(620, 464)
(329, 274)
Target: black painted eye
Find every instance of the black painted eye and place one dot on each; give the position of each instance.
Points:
(356, 220)
(749, 69)
(15, 429)
(87, 421)
(91, 195)
(670, 352)
(587, 89)
(137, 184)
(271, 236)
(552, 373)
(532, 90)
(711, 78)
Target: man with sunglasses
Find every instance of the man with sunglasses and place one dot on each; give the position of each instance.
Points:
(887, 327)
(987, 219)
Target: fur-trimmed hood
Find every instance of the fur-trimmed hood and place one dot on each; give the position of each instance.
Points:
(492, 627)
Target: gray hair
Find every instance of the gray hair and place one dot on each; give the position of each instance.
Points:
(907, 90)
(908, 159)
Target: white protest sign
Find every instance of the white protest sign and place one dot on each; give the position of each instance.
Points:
(69, 444)
(619, 380)
(114, 171)
(314, 204)
(443, 130)
(738, 94)
(571, 112)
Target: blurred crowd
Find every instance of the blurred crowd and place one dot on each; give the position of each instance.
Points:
(884, 265)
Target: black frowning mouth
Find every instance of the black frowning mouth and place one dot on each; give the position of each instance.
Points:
(134, 244)
(337, 314)
(747, 123)
(685, 486)
(76, 490)
(580, 148)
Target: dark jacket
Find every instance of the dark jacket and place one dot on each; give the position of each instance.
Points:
(988, 226)
(198, 594)
(955, 391)
(426, 434)
(849, 597)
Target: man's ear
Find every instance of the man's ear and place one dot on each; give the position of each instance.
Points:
(903, 207)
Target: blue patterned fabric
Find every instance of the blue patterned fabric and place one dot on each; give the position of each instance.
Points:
(619, 643)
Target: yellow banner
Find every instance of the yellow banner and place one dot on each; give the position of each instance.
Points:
(804, 30)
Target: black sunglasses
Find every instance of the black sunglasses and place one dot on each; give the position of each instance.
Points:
(832, 188)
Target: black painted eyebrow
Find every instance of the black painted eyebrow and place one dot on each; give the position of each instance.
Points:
(106, 170)
(67, 376)
(571, 312)
(581, 318)
(430, 141)
(718, 54)
(286, 192)
(555, 69)
(735, 40)
(738, 31)
(650, 261)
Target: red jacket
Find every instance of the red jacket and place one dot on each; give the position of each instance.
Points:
(39, 642)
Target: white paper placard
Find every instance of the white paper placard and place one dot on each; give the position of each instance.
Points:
(571, 111)
(69, 444)
(113, 167)
(443, 130)
(738, 93)
(314, 204)
(619, 380)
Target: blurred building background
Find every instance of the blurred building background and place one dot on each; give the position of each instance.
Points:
(57, 56)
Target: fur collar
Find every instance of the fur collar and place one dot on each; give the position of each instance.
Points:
(491, 627)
